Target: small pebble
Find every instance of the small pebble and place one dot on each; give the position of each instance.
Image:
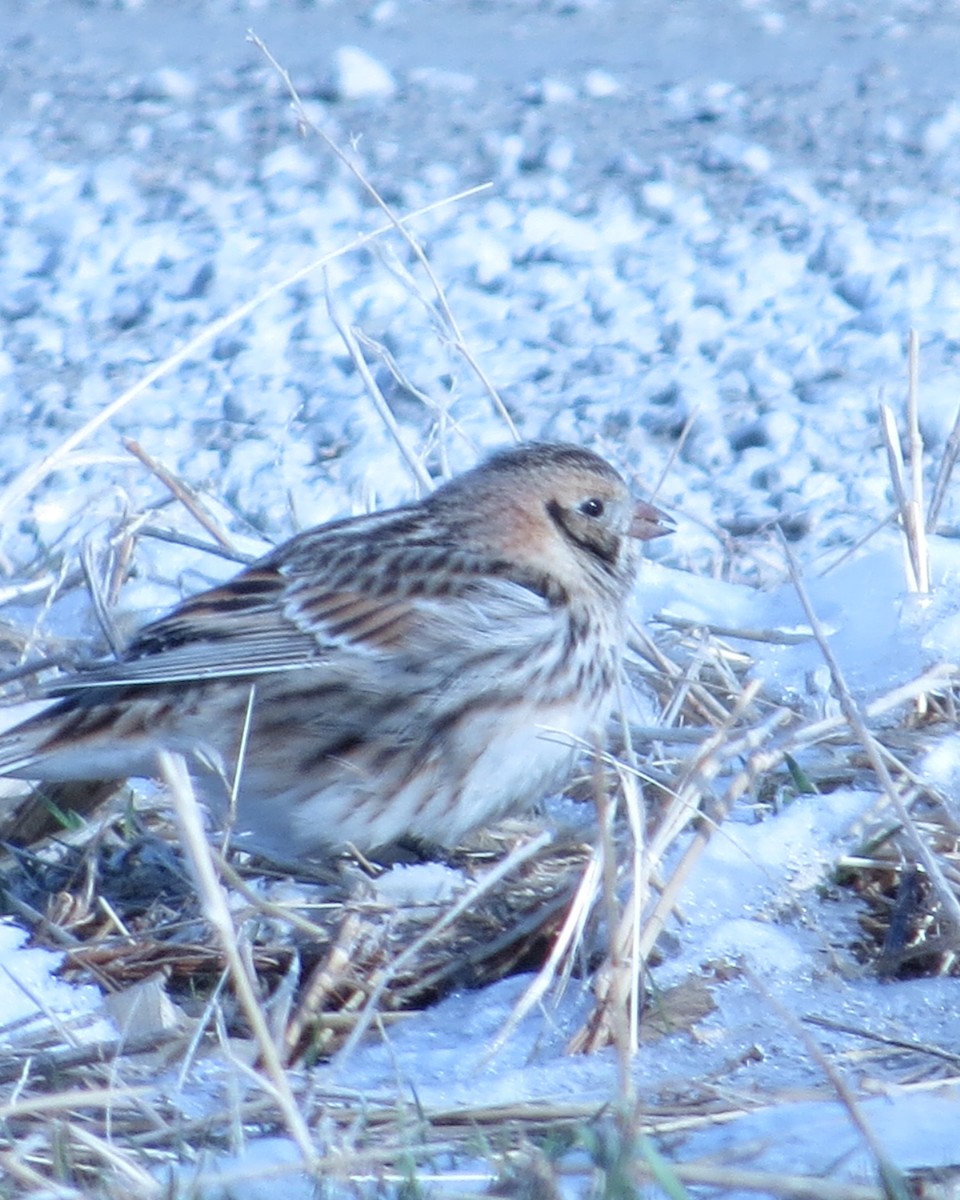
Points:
(360, 76)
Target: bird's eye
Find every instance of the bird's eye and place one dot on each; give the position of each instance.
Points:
(592, 507)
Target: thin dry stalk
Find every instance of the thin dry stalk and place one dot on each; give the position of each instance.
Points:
(23, 484)
(173, 770)
(620, 968)
(675, 452)
(14, 1168)
(443, 422)
(947, 463)
(98, 600)
(898, 1043)
(446, 312)
(918, 532)
(643, 875)
(104, 905)
(885, 1169)
(182, 492)
(62, 1028)
(909, 500)
(178, 538)
(56, 1063)
(569, 935)
(720, 747)
(56, 586)
(119, 1162)
(207, 1019)
(417, 469)
(515, 859)
(397, 373)
(943, 675)
(891, 440)
(268, 908)
(122, 557)
(860, 542)
(234, 789)
(690, 676)
(686, 806)
(73, 1100)
(350, 947)
(945, 894)
(704, 703)
(774, 637)
(769, 1183)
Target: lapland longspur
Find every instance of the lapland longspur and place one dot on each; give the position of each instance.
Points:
(409, 674)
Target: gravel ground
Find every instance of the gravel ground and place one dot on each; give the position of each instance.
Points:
(734, 218)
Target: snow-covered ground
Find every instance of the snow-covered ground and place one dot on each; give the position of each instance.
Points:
(736, 245)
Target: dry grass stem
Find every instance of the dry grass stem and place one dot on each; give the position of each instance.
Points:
(62, 1028)
(945, 894)
(898, 1043)
(916, 456)
(571, 931)
(206, 1021)
(621, 968)
(173, 770)
(686, 805)
(857, 545)
(948, 462)
(634, 938)
(417, 469)
(767, 1183)
(439, 413)
(885, 1170)
(449, 319)
(178, 538)
(909, 499)
(12, 1167)
(722, 746)
(774, 637)
(891, 440)
(704, 705)
(71, 1100)
(120, 1162)
(263, 907)
(98, 600)
(675, 452)
(233, 790)
(513, 860)
(182, 492)
(917, 529)
(643, 876)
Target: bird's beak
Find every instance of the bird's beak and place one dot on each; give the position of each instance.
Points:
(649, 522)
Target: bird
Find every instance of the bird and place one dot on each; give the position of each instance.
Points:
(402, 676)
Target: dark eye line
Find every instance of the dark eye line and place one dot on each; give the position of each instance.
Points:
(604, 551)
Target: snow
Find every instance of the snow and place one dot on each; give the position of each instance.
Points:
(736, 289)
(31, 991)
(917, 1131)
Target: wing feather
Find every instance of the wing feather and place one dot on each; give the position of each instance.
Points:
(269, 620)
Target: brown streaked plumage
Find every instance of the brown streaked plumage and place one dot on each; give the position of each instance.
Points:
(412, 673)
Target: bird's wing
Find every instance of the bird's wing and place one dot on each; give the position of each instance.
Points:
(236, 629)
(267, 620)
